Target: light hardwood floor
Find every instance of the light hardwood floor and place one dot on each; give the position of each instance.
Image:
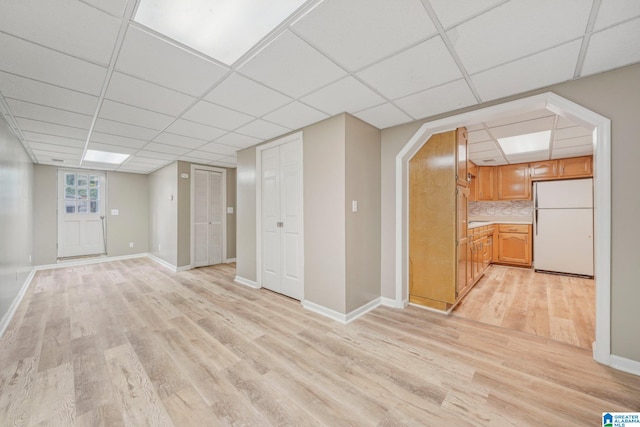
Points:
(548, 305)
(129, 343)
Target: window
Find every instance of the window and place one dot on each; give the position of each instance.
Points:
(82, 193)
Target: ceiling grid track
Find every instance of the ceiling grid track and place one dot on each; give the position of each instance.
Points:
(595, 7)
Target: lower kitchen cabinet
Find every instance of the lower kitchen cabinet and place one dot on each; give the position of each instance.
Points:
(514, 244)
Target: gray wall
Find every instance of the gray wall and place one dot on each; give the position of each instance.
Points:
(184, 214)
(127, 192)
(16, 219)
(615, 95)
(362, 227)
(246, 215)
(163, 213)
(231, 217)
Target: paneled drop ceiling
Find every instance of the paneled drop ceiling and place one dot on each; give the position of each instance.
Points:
(78, 75)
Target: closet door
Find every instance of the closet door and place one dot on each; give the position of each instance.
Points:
(207, 221)
(282, 227)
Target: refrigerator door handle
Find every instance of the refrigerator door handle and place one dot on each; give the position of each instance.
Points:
(536, 222)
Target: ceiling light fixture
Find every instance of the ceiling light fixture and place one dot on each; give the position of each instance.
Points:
(105, 157)
(526, 143)
(222, 29)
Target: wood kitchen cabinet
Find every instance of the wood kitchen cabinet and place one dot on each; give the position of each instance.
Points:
(514, 182)
(462, 156)
(479, 252)
(544, 169)
(514, 244)
(486, 184)
(437, 224)
(573, 167)
(473, 182)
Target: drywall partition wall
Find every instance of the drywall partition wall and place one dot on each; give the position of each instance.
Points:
(45, 217)
(231, 216)
(246, 216)
(362, 227)
(128, 194)
(324, 214)
(16, 220)
(613, 95)
(184, 214)
(163, 213)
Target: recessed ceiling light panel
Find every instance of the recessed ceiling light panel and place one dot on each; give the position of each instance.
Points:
(222, 29)
(530, 142)
(105, 157)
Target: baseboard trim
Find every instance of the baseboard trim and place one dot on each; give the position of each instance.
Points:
(6, 319)
(87, 261)
(390, 302)
(183, 268)
(229, 260)
(163, 263)
(340, 317)
(246, 282)
(624, 364)
(433, 310)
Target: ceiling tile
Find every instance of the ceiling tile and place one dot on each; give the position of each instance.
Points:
(524, 117)
(522, 128)
(295, 116)
(452, 12)
(582, 150)
(223, 149)
(612, 12)
(486, 154)
(136, 116)
(48, 114)
(179, 140)
(53, 139)
(438, 100)
(205, 155)
(613, 48)
(478, 136)
(357, 33)
(108, 138)
(482, 146)
(262, 130)
(226, 162)
(195, 160)
(165, 148)
(51, 129)
(111, 148)
(153, 59)
(195, 130)
(383, 116)
(346, 95)
(114, 7)
(65, 25)
(291, 66)
(572, 132)
(36, 62)
(155, 155)
(413, 70)
(29, 90)
(528, 157)
(528, 73)
(123, 129)
(146, 160)
(139, 93)
(565, 123)
(237, 140)
(516, 29)
(586, 141)
(241, 94)
(41, 146)
(214, 115)
(45, 156)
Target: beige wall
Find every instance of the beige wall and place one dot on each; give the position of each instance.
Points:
(324, 214)
(16, 220)
(231, 217)
(246, 215)
(45, 216)
(127, 192)
(615, 95)
(184, 214)
(363, 227)
(163, 213)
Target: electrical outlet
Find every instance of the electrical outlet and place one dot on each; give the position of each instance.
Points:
(130, 244)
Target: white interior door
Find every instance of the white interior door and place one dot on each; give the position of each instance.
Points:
(81, 200)
(282, 220)
(208, 217)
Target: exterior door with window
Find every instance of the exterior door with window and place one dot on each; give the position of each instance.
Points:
(81, 213)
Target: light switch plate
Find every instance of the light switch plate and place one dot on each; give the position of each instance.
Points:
(229, 209)
(115, 211)
(184, 175)
(354, 206)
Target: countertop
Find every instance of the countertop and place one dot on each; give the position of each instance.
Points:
(475, 224)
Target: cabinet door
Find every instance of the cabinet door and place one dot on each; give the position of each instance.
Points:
(473, 182)
(514, 248)
(576, 166)
(514, 182)
(486, 183)
(462, 157)
(470, 257)
(544, 169)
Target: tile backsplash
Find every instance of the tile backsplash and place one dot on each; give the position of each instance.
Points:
(513, 208)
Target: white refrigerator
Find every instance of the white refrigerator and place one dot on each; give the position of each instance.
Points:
(563, 226)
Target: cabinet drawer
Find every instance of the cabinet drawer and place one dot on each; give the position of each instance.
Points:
(513, 228)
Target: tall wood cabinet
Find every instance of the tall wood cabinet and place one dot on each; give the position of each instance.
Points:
(437, 222)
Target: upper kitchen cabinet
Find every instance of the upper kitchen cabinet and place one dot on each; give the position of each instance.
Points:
(473, 182)
(486, 183)
(576, 167)
(544, 169)
(514, 182)
(462, 155)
